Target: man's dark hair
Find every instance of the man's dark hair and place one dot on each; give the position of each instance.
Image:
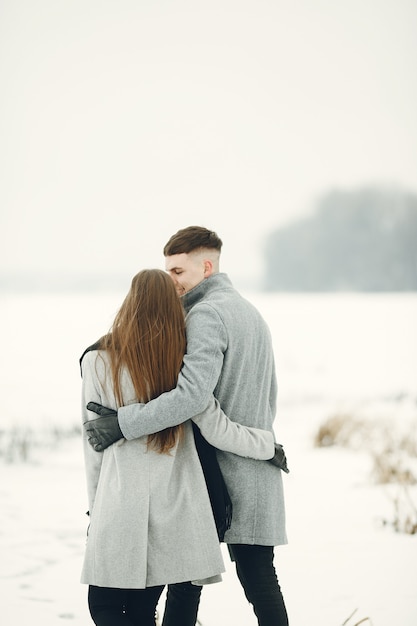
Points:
(192, 238)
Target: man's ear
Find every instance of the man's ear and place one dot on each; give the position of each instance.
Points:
(208, 268)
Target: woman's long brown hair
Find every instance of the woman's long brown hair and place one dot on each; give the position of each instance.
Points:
(148, 338)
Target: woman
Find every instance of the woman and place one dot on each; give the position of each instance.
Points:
(151, 522)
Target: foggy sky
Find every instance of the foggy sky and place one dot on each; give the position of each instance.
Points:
(122, 121)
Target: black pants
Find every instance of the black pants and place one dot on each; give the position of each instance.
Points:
(256, 572)
(123, 607)
(181, 606)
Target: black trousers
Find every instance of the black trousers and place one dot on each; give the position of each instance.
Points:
(123, 607)
(181, 606)
(256, 573)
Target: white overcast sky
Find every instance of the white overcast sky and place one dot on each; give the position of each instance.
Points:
(122, 121)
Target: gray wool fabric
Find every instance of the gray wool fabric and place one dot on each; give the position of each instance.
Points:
(151, 519)
(229, 353)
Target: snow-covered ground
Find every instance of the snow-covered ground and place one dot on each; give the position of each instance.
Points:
(356, 354)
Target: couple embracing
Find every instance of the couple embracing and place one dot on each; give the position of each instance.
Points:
(172, 374)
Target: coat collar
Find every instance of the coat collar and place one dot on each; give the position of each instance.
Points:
(207, 286)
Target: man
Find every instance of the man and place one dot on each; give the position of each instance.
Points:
(229, 353)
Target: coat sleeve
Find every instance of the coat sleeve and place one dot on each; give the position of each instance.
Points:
(90, 392)
(224, 434)
(202, 365)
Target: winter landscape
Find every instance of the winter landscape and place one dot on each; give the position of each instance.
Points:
(346, 363)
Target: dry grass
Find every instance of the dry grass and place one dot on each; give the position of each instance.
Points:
(404, 517)
(347, 622)
(342, 430)
(19, 444)
(394, 459)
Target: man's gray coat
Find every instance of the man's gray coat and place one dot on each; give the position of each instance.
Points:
(229, 353)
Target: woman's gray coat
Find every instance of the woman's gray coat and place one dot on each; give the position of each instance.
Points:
(229, 353)
(151, 520)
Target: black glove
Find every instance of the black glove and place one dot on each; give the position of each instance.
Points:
(104, 430)
(279, 459)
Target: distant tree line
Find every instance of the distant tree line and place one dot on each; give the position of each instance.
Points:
(356, 240)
